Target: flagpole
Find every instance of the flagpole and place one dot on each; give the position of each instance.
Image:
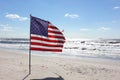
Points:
(29, 48)
(29, 53)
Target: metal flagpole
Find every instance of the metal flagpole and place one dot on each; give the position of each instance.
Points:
(29, 53)
(29, 48)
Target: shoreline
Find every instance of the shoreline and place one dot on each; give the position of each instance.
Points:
(80, 56)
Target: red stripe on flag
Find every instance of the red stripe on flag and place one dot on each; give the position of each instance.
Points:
(55, 32)
(53, 27)
(47, 45)
(43, 49)
(47, 40)
(53, 36)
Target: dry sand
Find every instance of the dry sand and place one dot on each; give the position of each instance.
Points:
(14, 66)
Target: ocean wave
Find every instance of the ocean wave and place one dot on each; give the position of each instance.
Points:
(99, 47)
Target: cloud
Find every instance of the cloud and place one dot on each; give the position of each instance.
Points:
(116, 7)
(16, 16)
(8, 31)
(104, 28)
(71, 15)
(84, 29)
(6, 28)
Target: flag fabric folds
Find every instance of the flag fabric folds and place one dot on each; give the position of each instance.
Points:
(44, 36)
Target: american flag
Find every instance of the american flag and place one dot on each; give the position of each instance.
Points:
(44, 36)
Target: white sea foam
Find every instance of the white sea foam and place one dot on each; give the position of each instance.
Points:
(107, 48)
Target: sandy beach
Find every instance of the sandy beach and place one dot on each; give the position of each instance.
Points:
(14, 66)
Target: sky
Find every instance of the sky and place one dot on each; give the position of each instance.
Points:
(80, 19)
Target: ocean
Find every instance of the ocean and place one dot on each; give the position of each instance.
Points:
(99, 48)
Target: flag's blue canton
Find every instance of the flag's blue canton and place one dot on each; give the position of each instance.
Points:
(39, 27)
